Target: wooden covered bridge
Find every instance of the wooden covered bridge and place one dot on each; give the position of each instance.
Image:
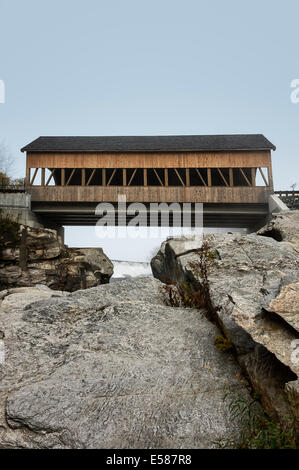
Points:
(230, 174)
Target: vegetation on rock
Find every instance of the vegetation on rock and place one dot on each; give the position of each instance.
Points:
(223, 344)
(259, 430)
(9, 232)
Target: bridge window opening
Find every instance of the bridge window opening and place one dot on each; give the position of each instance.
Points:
(92, 177)
(155, 177)
(114, 177)
(134, 177)
(72, 177)
(198, 177)
(50, 176)
(242, 176)
(220, 176)
(176, 177)
(35, 176)
(262, 177)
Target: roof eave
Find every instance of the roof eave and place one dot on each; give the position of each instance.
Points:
(261, 149)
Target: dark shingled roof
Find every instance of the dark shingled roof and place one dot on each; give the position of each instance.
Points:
(164, 143)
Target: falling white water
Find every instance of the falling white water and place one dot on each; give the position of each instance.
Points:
(126, 269)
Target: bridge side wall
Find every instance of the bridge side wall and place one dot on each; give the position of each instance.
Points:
(223, 177)
(150, 160)
(150, 194)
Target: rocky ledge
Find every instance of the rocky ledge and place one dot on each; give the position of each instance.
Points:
(30, 256)
(253, 284)
(112, 367)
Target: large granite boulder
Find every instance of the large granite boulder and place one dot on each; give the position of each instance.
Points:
(30, 256)
(284, 226)
(113, 367)
(253, 286)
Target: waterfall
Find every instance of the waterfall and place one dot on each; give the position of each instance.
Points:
(126, 269)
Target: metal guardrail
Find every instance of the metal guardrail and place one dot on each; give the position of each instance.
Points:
(287, 193)
(290, 198)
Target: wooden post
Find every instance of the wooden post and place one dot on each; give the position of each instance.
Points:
(231, 177)
(104, 177)
(187, 177)
(144, 176)
(209, 177)
(166, 176)
(27, 176)
(253, 174)
(124, 177)
(83, 177)
(62, 177)
(270, 176)
(43, 180)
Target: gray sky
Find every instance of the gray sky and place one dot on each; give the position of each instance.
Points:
(137, 67)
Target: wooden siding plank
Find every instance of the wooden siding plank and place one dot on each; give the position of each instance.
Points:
(150, 160)
(220, 194)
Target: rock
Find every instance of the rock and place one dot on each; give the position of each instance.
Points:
(19, 298)
(292, 389)
(286, 304)
(113, 367)
(250, 277)
(40, 243)
(101, 266)
(38, 256)
(284, 226)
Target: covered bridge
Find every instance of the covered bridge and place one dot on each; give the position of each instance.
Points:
(230, 174)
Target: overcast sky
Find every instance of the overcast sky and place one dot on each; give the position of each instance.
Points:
(150, 67)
